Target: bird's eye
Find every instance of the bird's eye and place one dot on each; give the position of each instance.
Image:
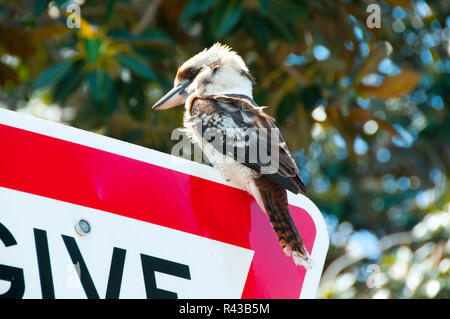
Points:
(192, 73)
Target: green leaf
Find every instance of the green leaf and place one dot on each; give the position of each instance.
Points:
(134, 98)
(150, 54)
(53, 74)
(257, 27)
(69, 84)
(286, 108)
(283, 15)
(195, 8)
(137, 67)
(281, 28)
(60, 3)
(109, 11)
(227, 18)
(40, 6)
(149, 35)
(263, 6)
(104, 92)
(100, 85)
(287, 10)
(92, 49)
(310, 95)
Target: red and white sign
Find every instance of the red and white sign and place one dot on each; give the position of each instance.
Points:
(161, 226)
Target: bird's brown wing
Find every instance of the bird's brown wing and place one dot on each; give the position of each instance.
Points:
(224, 115)
(233, 114)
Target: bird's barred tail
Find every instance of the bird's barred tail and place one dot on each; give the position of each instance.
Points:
(274, 198)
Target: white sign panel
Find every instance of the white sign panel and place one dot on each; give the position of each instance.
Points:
(119, 257)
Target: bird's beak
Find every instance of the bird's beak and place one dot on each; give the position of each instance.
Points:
(173, 98)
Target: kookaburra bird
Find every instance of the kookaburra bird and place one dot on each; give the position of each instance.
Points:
(216, 89)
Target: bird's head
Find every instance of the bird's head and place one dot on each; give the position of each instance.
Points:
(217, 70)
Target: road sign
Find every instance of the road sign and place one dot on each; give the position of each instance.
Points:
(83, 215)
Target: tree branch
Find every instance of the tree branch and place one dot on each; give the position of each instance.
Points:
(147, 17)
(344, 261)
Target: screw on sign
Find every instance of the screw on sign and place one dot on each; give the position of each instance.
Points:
(83, 227)
(136, 223)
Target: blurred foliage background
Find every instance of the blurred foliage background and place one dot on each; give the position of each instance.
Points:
(364, 110)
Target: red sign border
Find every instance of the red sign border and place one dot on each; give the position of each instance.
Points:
(99, 142)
